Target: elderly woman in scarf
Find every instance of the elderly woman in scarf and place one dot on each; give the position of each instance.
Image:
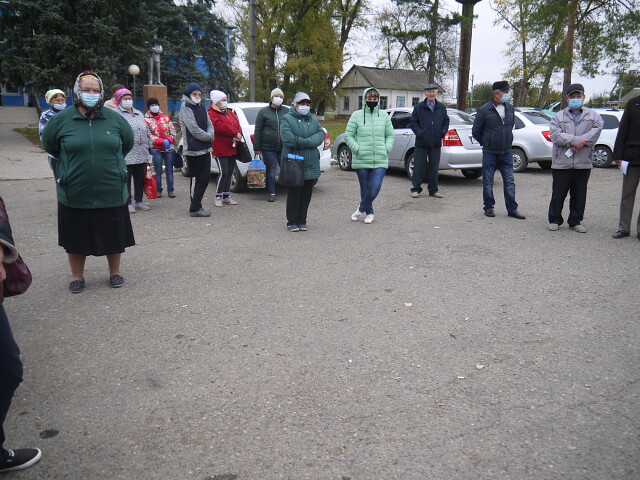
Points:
(138, 157)
(58, 101)
(90, 143)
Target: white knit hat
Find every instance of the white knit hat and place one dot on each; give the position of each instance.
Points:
(216, 96)
(276, 91)
(300, 96)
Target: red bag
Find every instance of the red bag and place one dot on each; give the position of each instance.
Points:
(18, 278)
(150, 189)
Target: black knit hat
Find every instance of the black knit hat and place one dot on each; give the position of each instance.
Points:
(192, 87)
(500, 85)
(152, 101)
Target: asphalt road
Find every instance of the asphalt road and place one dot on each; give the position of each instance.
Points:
(435, 343)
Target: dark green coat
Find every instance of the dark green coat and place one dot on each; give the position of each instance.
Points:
(91, 171)
(302, 135)
(266, 135)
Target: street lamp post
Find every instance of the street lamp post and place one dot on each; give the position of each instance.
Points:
(135, 71)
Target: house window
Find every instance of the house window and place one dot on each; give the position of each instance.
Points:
(415, 101)
(345, 103)
(383, 103)
(399, 101)
(359, 102)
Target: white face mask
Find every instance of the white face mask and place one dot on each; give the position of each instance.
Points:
(154, 108)
(60, 106)
(195, 100)
(223, 105)
(127, 104)
(304, 109)
(277, 101)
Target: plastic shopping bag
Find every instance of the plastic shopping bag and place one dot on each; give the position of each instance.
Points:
(257, 174)
(150, 184)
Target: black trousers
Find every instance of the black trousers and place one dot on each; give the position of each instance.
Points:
(426, 160)
(200, 170)
(226, 165)
(574, 182)
(136, 171)
(298, 200)
(10, 373)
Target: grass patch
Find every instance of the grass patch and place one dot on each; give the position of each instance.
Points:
(31, 134)
(335, 126)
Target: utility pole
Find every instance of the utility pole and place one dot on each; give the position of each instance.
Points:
(471, 106)
(464, 63)
(252, 50)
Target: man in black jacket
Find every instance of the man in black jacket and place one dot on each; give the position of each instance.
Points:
(627, 148)
(493, 128)
(430, 123)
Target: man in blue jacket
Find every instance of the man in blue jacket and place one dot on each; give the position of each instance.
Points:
(430, 123)
(493, 128)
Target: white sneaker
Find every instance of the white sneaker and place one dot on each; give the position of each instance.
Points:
(229, 201)
(578, 228)
(132, 209)
(368, 218)
(217, 202)
(142, 206)
(357, 215)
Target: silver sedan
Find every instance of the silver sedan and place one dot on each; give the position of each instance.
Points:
(531, 140)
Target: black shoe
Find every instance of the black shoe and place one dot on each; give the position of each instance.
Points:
(20, 458)
(76, 286)
(116, 281)
(272, 198)
(620, 234)
(489, 212)
(516, 214)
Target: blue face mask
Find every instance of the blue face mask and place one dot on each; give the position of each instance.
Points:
(90, 99)
(505, 97)
(575, 103)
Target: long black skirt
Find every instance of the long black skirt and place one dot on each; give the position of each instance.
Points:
(96, 231)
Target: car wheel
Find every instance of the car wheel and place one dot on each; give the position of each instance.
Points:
(545, 165)
(408, 166)
(519, 160)
(601, 156)
(471, 173)
(344, 157)
(185, 165)
(238, 182)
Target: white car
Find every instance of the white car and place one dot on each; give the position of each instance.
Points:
(531, 140)
(603, 150)
(247, 113)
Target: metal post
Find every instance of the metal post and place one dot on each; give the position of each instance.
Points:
(252, 50)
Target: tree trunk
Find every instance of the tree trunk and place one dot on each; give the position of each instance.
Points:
(433, 39)
(571, 35)
(466, 30)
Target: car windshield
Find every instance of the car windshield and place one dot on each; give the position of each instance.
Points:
(538, 118)
(251, 113)
(460, 118)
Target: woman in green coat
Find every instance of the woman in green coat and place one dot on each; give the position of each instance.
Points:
(370, 137)
(301, 135)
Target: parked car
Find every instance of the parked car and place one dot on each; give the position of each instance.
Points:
(531, 140)
(460, 151)
(602, 152)
(247, 113)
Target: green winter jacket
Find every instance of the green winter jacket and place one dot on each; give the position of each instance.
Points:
(91, 171)
(301, 135)
(266, 135)
(370, 137)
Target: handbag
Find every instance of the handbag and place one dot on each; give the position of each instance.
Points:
(150, 189)
(18, 278)
(292, 171)
(257, 174)
(178, 161)
(244, 155)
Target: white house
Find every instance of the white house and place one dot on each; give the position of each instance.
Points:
(398, 88)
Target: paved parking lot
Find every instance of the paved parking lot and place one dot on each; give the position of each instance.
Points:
(435, 343)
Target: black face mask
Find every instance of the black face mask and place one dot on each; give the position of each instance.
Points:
(372, 105)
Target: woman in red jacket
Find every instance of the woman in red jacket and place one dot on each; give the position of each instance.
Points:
(163, 135)
(227, 134)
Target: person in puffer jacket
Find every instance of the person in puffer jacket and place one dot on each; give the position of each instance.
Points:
(163, 137)
(370, 137)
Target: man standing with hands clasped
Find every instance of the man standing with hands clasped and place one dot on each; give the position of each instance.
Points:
(493, 129)
(430, 123)
(574, 132)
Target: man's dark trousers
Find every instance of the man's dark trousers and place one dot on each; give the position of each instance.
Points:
(573, 181)
(10, 373)
(426, 160)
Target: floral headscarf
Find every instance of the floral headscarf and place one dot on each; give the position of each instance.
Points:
(77, 97)
(119, 94)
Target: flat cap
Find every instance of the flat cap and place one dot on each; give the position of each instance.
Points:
(431, 86)
(575, 87)
(500, 85)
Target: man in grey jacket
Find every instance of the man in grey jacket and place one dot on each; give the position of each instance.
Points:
(574, 132)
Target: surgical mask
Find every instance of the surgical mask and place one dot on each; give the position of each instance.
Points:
(90, 99)
(277, 101)
(127, 104)
(154, 108)
(195, 99)
(60, 106)
(575, 103)
(372, 104)
(223, 105)
(505, 97)
(304, 109)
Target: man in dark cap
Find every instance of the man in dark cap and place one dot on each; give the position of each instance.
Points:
(430, 123)
(574, 132)
(493, 128)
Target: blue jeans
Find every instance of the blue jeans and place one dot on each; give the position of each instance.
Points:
(271, 160)
(490, 163)
(370, 183)
(158, 156)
